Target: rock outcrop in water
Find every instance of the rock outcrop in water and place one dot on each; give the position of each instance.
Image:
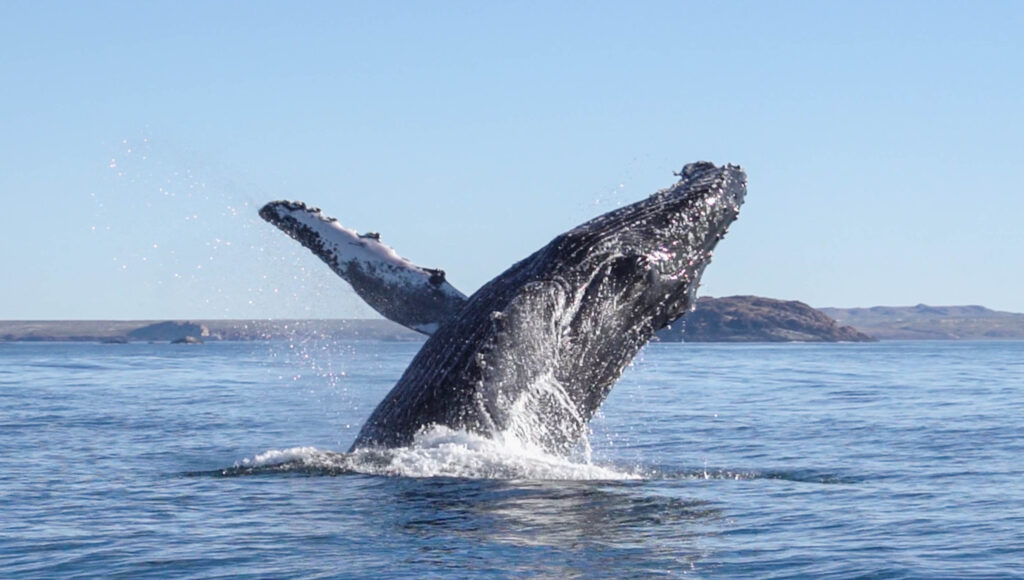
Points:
(187, 340)
(757, 319)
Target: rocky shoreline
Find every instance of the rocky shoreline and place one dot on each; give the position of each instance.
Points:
(727, 319)
(201, 330)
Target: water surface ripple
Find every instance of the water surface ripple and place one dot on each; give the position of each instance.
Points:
(887, 460)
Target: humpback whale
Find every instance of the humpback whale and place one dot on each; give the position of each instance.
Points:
(535, 351)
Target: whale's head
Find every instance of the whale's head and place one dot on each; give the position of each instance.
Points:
(565, 321)
(644, 261)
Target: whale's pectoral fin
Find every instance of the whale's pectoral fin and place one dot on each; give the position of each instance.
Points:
(415, 297)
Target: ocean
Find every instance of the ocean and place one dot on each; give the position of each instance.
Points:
(881, 460)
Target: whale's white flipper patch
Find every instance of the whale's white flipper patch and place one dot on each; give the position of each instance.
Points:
(416, 297)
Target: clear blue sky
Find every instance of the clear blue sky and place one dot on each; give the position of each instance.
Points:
(884, 143)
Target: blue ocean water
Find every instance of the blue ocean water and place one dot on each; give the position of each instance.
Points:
(886, 460)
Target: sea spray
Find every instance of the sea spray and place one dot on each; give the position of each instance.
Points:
(435, 452)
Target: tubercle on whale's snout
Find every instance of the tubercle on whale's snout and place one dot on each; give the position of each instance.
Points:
(269, 212)
(275, 211)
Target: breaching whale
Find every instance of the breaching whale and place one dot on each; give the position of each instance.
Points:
(535, 351)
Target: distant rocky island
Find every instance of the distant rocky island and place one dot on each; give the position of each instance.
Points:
(726, 319)
(757, 319)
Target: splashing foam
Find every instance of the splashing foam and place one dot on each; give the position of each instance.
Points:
(435, 452)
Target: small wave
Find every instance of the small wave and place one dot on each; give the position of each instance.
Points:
(436, 452)
(798, 476)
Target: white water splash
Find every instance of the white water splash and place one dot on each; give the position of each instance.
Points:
(436, 452)
(543, 413)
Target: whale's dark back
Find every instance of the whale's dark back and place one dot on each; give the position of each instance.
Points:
(535, 351)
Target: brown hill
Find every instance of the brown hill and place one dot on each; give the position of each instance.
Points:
(757, 319)
(923, 322)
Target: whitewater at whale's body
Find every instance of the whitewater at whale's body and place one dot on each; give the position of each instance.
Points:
(533, 353)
